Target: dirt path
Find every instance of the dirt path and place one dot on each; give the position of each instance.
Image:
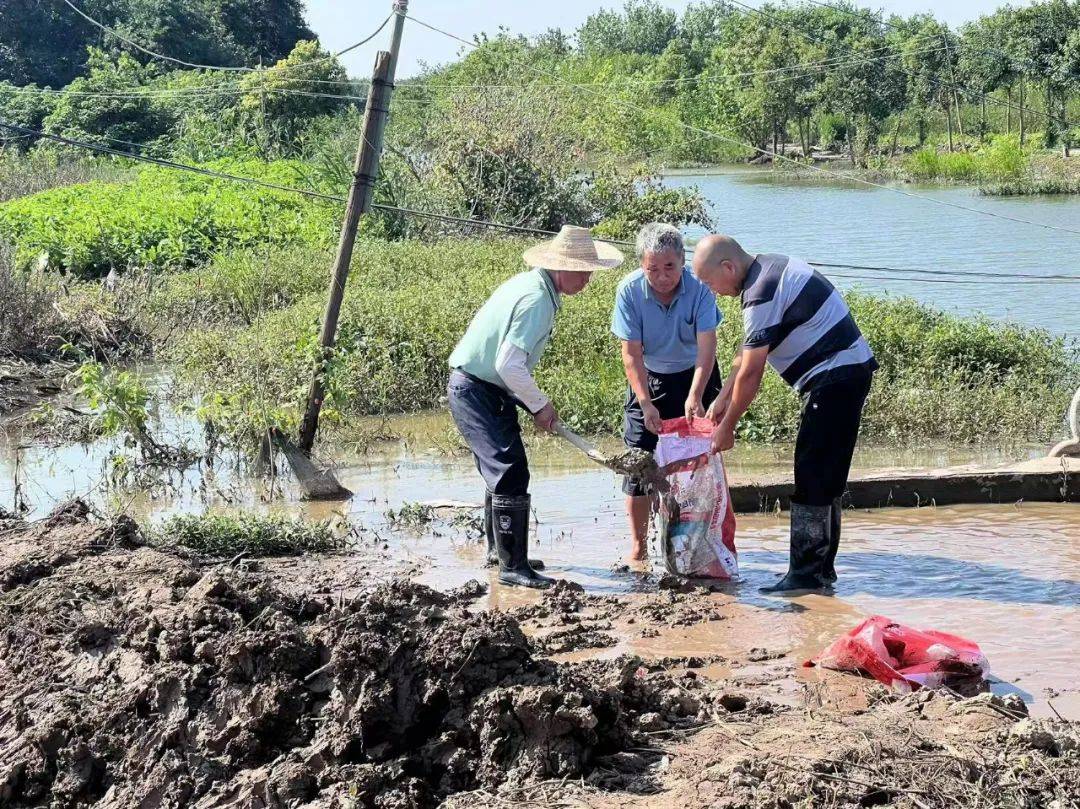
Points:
(137, 676)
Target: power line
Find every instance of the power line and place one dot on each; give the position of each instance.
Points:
(985, 278)
(158, 161)
(197, 66)
(179, 94)
(773, 155)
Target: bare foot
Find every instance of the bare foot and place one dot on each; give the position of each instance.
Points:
(638, 553)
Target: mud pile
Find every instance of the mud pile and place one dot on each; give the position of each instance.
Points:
(130, 676)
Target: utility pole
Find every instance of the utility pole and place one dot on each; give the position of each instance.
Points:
(365, 172)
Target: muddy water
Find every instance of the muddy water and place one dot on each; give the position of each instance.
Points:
(1005, 576)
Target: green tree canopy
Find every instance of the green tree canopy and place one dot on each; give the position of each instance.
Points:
(45, 42)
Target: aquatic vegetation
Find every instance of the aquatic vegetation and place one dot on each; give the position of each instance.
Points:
(1003, 160)
(249, 534)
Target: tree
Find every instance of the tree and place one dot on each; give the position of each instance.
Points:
(643, 26)
(701, 28)
(279, 115)
(927, 59)
(985, 67)
(45, 42)
(1067, 69)
(133, 117)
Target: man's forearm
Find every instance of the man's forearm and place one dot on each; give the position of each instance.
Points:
(510, 364)
(703, 364)
(637, 376)
(736, 363)
(745, 387)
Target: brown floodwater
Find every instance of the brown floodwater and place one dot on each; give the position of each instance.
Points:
(1007, 577)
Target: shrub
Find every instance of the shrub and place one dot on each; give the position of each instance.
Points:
(249, 534)
(119, 111)
(162, 219)
(408, 303)
(832, 129)
(28, 321)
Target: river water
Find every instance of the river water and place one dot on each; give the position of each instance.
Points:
(1005, 576)
(857, 224)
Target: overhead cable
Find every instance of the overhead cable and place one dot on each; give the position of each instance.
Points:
(984, 278)
(233, 68)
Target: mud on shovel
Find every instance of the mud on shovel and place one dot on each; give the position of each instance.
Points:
(634, 462)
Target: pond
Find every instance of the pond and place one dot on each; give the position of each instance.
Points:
(857, 224)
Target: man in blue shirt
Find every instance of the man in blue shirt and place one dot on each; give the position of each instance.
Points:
(666, 320)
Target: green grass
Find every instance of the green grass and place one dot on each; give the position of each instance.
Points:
(1001, 162)
(162, 219)
(942, 377)
(253, 535)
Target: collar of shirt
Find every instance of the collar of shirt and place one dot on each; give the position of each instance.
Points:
(679, 290)
(549, 285)
(752, 273)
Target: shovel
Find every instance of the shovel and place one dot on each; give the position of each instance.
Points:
(649, 472)
(592, 452)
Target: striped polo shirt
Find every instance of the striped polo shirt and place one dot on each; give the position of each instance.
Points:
(795, 311)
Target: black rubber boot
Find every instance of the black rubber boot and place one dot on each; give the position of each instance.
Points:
(810, 529)
(492, 559)
(836, 512)
(510, 524)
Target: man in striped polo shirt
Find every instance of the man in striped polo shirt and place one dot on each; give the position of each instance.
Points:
(795, 320)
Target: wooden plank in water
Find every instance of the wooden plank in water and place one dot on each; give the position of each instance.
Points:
(1048, 480)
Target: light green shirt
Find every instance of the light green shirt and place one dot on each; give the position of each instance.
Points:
(521, 311)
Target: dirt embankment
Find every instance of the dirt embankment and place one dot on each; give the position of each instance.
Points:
(135, 677)
(132, 676)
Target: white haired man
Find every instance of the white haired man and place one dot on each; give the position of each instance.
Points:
(491, 376)
(666, 321)
(795, 320)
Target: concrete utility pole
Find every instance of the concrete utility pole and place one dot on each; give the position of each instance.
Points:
(360, 195)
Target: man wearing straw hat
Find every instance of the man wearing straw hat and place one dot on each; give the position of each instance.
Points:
(491, 376)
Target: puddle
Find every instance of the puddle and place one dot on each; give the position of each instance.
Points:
(1005, 576)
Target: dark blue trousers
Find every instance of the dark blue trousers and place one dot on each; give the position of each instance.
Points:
(486, 416)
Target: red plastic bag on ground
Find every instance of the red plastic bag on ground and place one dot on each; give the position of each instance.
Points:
(696, 519)
(901, 657)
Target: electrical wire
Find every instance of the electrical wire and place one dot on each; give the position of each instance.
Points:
(178, 95)
(984, 278)
(232, 68)
(773, 155)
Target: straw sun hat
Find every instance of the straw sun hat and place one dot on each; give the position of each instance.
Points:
(573, 250)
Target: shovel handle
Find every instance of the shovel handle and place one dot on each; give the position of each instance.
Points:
(564, 432)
